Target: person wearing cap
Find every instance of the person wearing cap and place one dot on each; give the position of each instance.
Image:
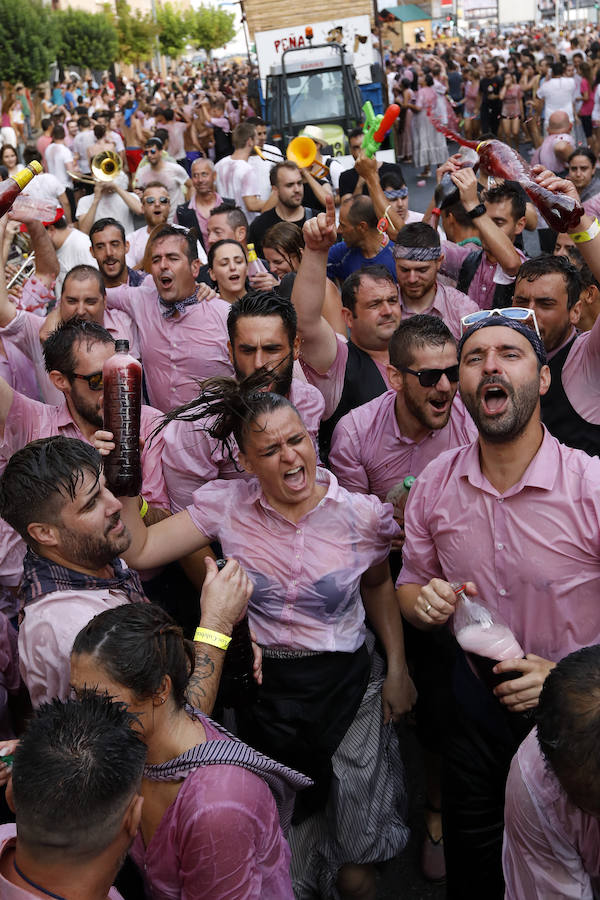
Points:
(174, 177)
(515, 515)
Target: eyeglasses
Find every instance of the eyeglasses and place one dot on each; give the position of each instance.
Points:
(152, 200)
(430, 377)
(95, 380)
(151, 151)
(521, 314)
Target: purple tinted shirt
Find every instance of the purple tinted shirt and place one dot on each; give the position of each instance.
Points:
(8, 891)
(331, 383)
(191, 457)
(220, 839)
(178, 351)
(307, 574)
(551, 847)
(449, 304)
(533, 552)
(487, 276)
(370, 455)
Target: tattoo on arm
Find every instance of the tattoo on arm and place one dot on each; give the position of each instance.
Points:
(204, 683)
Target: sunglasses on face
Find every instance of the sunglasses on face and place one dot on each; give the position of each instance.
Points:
(515, 313)
(151, 152)
(152, 200)
(430, 377)
(95, 381)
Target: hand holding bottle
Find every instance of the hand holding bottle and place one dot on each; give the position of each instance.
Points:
(436, 601)
(521, 694)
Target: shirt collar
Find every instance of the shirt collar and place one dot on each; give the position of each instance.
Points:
(540, 473)
(324, 476)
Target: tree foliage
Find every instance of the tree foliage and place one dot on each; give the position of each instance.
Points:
(28, 41)
(136, 34)
(172, 30)
(88, 40)
(210, 27)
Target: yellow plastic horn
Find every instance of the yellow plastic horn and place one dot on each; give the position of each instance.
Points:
(303, 150)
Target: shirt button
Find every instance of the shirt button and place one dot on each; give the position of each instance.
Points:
(500, 499)
(502, 592)
(500, 546)
(298, 531)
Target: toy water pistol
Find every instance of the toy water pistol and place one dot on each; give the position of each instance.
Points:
(376, 127)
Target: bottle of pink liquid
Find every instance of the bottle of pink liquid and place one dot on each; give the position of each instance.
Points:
(122, 377)
(485, 639)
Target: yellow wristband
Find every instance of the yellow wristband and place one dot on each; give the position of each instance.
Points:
(214, 638)
(582, 237)
(143, 508)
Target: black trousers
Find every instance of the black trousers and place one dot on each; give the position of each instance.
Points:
(480, 745)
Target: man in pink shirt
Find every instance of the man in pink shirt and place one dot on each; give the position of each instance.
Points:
(551, 286)
(77, 811)
(516, 515)
(552, 813)
(377, 445)
(487, 275)
(183, 340)
(262, 333)
(419, 257)
(72, 569)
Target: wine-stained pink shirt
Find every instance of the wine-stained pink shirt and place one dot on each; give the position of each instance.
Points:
(28, 420)
(179, 351)
(9, 891)
(46, 635)
(369, 454)
(191, 457)
(307, 574)
(331, 383)
(533, 552)
(551, 847)
(220, 839)
(581, 374)
(487, 275)
(448, 304)
(24, 332)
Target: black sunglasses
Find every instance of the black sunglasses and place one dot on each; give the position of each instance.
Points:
(150, 201)
(95, 381)
(430, 377)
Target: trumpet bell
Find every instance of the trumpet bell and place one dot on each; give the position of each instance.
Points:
(106, 166)
(303, 151)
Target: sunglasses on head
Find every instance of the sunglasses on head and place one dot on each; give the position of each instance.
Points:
(430, 377)
(95, 380)
(152, 200)
(521, 314)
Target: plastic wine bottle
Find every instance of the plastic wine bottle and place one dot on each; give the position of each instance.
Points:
(11, 187)
(122, 376)
(238, 687)
(398, 495)
(561, 212)
(446, 192)
(255, 266)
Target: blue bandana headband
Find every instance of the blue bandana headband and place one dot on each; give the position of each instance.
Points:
(525, 330)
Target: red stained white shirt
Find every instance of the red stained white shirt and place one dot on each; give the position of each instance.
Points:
(178, 351)
(369, 454)
(307, 574)
(533, 552)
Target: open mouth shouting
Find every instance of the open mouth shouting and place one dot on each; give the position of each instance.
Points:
(295, 478)
(494, 399)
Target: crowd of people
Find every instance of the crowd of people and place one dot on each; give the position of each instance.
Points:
(382, 420)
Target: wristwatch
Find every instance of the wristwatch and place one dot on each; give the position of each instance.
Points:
(477, 211)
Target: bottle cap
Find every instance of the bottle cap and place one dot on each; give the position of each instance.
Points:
(36, 166)
(250, 246)
(121, 346)
(408, 482)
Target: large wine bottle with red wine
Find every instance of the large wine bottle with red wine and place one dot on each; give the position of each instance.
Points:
(122, 377)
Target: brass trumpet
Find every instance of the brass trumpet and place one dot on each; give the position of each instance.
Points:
(106, 166)
(302, 150)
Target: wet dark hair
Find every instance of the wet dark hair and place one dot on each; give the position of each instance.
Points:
(263, 303)
(59, 355)
(532, 269)
(418, 234)
(568, 725)
(137, 645)
(287, 239)
(584, 151)
(415, 333)
(83, 272)
(226, 407)
(47, 472)
(501, 192)
(101, 224)
(76, 769)
(187, 235)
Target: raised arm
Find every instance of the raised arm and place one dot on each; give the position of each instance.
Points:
(319, 343)
(493, 238)
(46, 261)
(367, 169)
(590, 250)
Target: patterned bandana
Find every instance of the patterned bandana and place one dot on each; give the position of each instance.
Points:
(169, 309)
(418, 254)
(395, 194)
(521, 327)
(41, 576)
